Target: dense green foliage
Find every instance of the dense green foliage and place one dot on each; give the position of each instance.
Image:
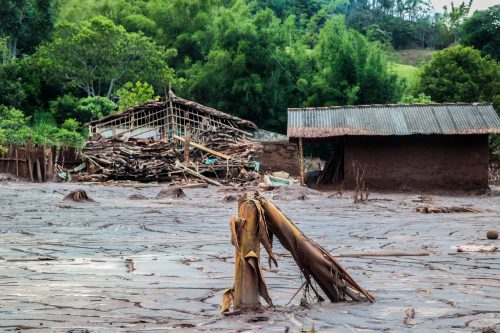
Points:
(482, 31)
(97, 55)
(134, 94)
(24, 24)
(64, 63)
(460, 74)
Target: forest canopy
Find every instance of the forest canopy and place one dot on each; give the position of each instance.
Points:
(69, 61)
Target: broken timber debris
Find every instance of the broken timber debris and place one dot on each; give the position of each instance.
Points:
(127, 158)
(257, 222)
(430, 209)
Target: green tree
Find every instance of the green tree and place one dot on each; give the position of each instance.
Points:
(90, 108)
(419, 99)
(97, 55)
(482, 31)
(134, 94)
(82, 110)
(455, 15)
(25, 23)
(460, 74)
(68, 134)
(246, 71)
(349, 69)
(14, 125)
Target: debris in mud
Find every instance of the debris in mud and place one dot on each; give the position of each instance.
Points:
(492, 234)
(171, 192)
(430, 209)
(130, 265)
(303, 330)
(257, 319)
(291, 193)
(78, 196)
(227, 156)
(137, 197)
(231, 198)
(423, 199)
(477, 248)
(409, 315)
(257, 222)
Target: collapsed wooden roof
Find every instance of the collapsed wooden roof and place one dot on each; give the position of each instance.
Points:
(162, 103)
(407, 119)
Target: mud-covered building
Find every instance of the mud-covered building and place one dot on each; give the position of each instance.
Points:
(433, 146)
(165, 117)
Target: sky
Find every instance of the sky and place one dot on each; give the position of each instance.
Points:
(476, 4)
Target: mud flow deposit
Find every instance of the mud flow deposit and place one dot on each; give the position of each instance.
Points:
(117, 264)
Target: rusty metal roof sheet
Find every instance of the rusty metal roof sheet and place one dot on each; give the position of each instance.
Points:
(406, 119)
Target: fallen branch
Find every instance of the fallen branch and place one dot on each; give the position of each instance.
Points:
(430, 209)
(383, 254)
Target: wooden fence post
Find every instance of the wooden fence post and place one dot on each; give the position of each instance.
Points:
(29, 152)
(301, 159)
(186, 144)
(17, 161)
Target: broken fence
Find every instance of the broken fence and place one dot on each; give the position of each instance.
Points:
(37, 163)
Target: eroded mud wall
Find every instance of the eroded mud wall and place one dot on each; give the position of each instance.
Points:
(279, 156)
(432, 162)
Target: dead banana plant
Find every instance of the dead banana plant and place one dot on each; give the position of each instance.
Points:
(257, 222)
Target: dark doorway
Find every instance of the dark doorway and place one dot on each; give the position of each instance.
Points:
(333, 172)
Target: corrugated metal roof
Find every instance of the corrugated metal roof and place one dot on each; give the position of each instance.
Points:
(393, 119)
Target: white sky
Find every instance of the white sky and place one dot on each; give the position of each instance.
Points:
(476, 4)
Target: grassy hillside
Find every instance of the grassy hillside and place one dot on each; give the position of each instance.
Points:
(408, 62)
(406, 72)
(415, 57)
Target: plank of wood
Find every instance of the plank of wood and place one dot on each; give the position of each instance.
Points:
(17, 162)
(186, 144)
(197, 174)
(208, 150)
(39, 171)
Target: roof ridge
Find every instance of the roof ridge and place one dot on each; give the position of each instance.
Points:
(387, 106)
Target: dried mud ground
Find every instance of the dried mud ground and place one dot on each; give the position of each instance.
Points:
(156, 265)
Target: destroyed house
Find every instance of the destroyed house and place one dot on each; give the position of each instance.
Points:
(168, 118)
(423, 146)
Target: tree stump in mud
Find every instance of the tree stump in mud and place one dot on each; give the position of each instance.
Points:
(257, 221)
(78, 196)
(249, 282)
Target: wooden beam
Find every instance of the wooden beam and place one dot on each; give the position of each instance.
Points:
(199, 175)
(208, 150)
(186, 143)
(301, 159)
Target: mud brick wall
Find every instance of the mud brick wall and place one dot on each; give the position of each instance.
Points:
(279, 156)
(423, 162)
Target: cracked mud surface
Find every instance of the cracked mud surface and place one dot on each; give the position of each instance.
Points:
(155, 265)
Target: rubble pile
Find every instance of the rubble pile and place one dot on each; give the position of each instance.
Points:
(137, 159)
(215, 157)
